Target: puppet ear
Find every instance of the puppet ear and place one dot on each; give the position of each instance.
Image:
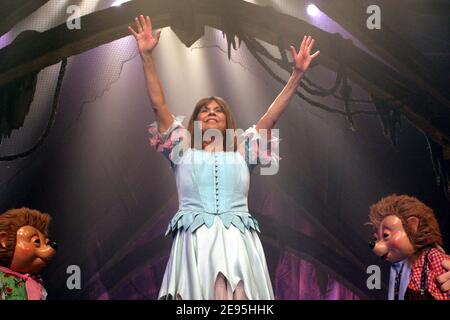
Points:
(413, 223)
(3, 238)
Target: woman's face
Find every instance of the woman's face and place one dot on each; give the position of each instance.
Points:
(212, 116)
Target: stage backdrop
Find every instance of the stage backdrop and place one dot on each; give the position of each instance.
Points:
(112, 195)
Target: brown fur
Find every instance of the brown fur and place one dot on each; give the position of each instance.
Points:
(14, 219)
(403, 206)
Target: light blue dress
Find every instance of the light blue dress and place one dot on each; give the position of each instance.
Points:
(213, 229)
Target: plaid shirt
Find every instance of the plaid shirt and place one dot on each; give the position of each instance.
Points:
(435, 268)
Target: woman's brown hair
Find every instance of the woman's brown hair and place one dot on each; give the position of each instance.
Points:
(230, 122)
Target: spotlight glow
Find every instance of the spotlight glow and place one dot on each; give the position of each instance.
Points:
(119, 2)
(312, 10)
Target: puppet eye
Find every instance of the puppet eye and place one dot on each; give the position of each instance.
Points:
(37, 242)
(385, 235)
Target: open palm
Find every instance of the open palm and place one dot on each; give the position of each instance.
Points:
(144, 37)
(302, 59)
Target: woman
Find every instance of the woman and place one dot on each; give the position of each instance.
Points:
(216, 251)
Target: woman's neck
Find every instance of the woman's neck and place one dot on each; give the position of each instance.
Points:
(211, 147)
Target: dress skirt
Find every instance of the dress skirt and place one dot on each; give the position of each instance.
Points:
(197, 260)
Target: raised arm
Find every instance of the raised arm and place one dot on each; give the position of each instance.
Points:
(146, 43)
(302, 60)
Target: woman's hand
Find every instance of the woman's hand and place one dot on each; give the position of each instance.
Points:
(303, 58)
(144, 38)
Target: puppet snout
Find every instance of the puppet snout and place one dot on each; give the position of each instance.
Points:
(47, 253)
(379, 248)
(53, 244)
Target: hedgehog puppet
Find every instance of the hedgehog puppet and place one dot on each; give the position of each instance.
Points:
(407, 235)
(25, 250)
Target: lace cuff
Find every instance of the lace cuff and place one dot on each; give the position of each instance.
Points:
(165, 142)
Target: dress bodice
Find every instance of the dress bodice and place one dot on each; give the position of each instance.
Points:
(209, 184)
(212, 184)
